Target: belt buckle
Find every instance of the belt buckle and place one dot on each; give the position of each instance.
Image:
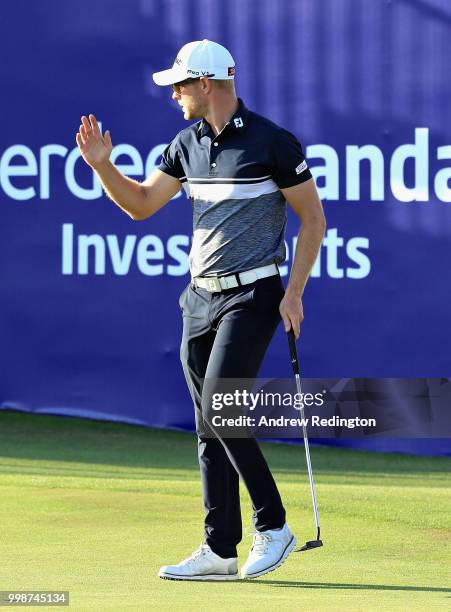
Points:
(213, 284)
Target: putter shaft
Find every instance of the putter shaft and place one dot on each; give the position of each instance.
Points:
(296, 371)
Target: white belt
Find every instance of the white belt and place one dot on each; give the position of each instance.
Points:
(220, 283)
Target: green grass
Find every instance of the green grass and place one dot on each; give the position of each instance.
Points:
(95, 508)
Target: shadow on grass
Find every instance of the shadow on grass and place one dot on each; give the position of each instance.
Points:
(343, 585)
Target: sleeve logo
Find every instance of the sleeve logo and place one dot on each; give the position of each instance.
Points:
(301, 167)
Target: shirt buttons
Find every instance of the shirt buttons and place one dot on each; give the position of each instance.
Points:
(215, 144)
(213, 165)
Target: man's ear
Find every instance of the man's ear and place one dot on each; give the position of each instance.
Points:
(206, 85)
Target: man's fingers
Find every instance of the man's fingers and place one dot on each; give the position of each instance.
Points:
(86, 124)
(79, 139)
(286, 321)
(82, 134)
(296, 328)
(293, 322)
(292, 315)
(107, 139)
(95, 125)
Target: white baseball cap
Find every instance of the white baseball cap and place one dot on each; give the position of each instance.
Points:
(196, 59)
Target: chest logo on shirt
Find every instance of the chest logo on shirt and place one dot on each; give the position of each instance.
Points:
(238, 122)
(301, 167)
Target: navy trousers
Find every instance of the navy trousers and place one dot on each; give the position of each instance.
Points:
(225, 335)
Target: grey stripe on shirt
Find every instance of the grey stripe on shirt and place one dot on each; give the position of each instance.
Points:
(233, 235)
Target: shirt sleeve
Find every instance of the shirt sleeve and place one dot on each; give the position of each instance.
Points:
(170, 162)
(290, 165)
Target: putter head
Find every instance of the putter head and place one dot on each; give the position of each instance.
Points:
(310, 544)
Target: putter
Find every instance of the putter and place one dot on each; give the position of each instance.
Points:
(295, 364)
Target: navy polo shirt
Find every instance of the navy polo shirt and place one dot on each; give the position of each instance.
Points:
(234, 181)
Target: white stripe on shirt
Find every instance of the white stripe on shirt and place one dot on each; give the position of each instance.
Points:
(216, 192)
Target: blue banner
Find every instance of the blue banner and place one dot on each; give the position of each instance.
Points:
(89, 319)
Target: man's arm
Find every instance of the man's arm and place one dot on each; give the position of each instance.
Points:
(138, 200)
(305, 202)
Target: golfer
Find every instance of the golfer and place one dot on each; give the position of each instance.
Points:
(239, 170)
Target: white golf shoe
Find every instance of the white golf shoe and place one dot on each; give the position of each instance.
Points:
(269, 550)
(203, 564)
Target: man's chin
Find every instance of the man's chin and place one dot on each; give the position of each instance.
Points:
(189, 116)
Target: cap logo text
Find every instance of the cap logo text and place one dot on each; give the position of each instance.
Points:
(199, 72)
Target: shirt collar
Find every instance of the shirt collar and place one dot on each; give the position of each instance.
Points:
(237, 122)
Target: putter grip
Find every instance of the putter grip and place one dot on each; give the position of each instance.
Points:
(293, 351)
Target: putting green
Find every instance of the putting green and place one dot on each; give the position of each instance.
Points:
(95, 508)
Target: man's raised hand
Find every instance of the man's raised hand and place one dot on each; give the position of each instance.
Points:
(95, 148)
